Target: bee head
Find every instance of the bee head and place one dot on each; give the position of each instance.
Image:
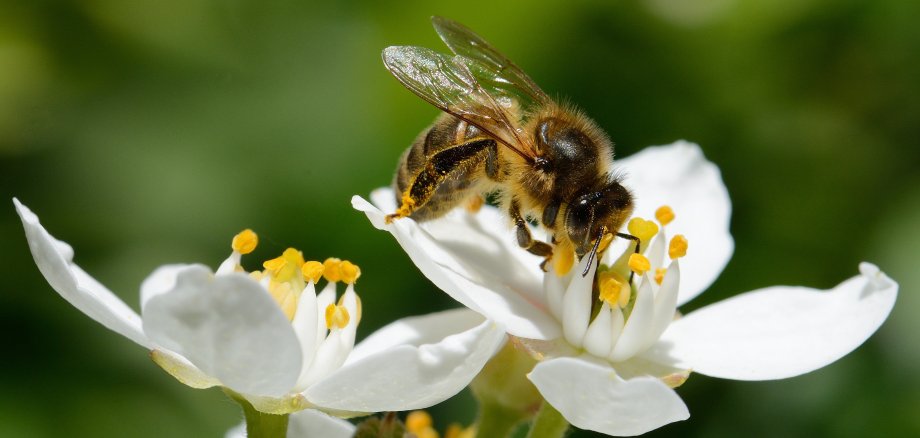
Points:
(591, 213)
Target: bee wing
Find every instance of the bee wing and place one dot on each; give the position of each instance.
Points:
(447, 83)
(490, 67)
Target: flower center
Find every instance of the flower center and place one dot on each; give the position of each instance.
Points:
(287, 276)
(634, 296)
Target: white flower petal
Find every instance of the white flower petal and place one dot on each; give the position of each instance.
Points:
(576, 303)
(54, 260)
(597, 339)
(636, 332)
(780, 331)
(323, 300)
(333, 351)
(230, 328)
(554, 288)
(416, 330)
(305, 327)
(474, 267)
(591, 396)
(680, 176)
(665, 301)
(161, 280)
(308, 423)
(182, 370)
(409, 377)
(311, 423)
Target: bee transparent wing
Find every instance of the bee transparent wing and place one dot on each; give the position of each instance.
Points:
(490, 67)
(447, 83)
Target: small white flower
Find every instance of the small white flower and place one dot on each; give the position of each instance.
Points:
(614, 372)
(269, 337)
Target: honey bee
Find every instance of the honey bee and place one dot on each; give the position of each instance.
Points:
(501, 134)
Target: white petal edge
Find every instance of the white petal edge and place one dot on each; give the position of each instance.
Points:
(778, 332)
(680, 176)
(416, 330)
(409, 377)
(230, 328)
(591, 396)
(442, 259)
(54, 260)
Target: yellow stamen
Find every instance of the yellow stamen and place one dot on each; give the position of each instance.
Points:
(639, 264)
(659, 274)
(642, 229)
(274, 266)
(664, 214)
(336, 316)
(312, 271)
(563, 257)
(678, 247)
(332, 271)
(614, 290)
(417, 421)
(349, 271)
(245, 242)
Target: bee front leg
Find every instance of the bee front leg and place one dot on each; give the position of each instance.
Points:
(436, 170)
(525, 239)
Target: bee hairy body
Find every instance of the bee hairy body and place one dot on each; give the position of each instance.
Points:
(500, 134)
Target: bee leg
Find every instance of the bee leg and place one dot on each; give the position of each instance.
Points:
(525, 239)
(436, 170)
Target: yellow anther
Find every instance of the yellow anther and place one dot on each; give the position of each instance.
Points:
(659, 274)
(336, 316)
(245, 242)
(275, 265)
(613, 289)
(678, 247)
(642, 229)
(332, 271)
(293, 256)
(639, 264)
(312, 271)
(417, 421)
(349, 271)
(664, 214)
(563, 258)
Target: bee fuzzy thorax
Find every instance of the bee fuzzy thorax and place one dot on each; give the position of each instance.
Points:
(501, 134)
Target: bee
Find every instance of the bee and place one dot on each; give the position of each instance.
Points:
(500, 134)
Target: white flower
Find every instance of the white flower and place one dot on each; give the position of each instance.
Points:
(614, 373)
(270, 338)
(307, 423)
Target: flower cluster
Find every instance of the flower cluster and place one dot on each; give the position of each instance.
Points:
(605, 342)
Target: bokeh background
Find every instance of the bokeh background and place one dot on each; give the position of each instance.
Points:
(148, 132)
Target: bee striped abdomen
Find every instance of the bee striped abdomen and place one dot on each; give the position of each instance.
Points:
(447, 132)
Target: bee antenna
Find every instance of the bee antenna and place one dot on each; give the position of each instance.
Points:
(593, 253)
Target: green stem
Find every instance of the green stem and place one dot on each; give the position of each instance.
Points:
(549, 423)
(259, 424)
(495, 420)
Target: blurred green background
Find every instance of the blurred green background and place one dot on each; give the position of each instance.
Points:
(146, 132)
